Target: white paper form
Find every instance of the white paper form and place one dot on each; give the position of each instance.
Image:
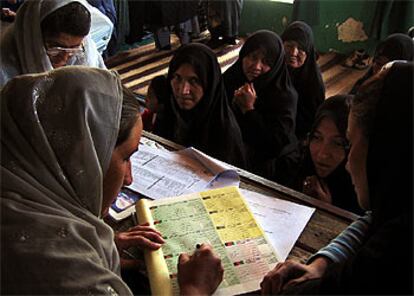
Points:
(159, 174)
(224, 175)
(282, 221)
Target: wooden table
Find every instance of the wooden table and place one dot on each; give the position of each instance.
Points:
(326, 223)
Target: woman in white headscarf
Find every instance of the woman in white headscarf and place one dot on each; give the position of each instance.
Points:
(67, 137)
(48, 34)
(52, 165)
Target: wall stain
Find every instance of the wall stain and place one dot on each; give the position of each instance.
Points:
(351, 31)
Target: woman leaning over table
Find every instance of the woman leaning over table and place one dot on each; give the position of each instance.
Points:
(380, 161)
(67, 136)
(322, 172)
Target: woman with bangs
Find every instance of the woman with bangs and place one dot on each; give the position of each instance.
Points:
(372, 257)
(322, 173)
(264, 101)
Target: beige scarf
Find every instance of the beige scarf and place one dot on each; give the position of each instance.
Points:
(58, 131)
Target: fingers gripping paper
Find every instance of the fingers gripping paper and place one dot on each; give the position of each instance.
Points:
(156, 266)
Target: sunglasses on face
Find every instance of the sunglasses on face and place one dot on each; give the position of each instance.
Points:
(57, 50)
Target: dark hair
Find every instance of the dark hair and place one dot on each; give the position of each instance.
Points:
(364, 104)
(301, 33)
(397, 46)
(198, 62)
(335, 108)
(130, 113)
(159, 86)
(73, 19)
(267, 42)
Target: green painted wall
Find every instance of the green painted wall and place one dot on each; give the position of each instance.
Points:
(273, 15)
(264, 14)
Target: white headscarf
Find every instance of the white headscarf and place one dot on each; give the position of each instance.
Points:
(22, 50)
(58, 132)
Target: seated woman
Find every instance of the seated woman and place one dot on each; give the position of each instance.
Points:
(305, 74)
(380, 162)
(67, 137)
(322, 173)
(264, 100)
(157, 94)
(197, 114)
(47, 35)
(395, 47)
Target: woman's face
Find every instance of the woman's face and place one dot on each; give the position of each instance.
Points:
(61, 48)
(119, 171)
(186, 87)
(357, 161)
(255, 64)
(327, 148)
(295, 55)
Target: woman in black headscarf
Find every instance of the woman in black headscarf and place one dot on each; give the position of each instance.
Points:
(380, 130)
(397, 46)
(305, 74)
(197, 113)
(264, 100)
(322, 173)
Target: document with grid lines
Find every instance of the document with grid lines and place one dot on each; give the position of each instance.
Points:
(219, 217)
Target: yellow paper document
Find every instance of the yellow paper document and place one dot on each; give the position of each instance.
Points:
(219, 217)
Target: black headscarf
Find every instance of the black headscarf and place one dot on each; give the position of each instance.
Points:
(390, 155)
(339, 181)
(307, 79)
(397, 46)
(210, 126)
(159, 86)
(270, 128)
(384, 263)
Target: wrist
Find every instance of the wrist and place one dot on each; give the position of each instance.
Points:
(321, 263)
(187, 290)
(246, 109)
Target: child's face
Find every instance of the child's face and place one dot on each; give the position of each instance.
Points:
(151, 100)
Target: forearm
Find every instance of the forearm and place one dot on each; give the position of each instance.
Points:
(191, 290)
(347, 243)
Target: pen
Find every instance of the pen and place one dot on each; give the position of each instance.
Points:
(129, 254)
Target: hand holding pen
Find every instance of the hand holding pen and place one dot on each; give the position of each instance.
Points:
(200, 273)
